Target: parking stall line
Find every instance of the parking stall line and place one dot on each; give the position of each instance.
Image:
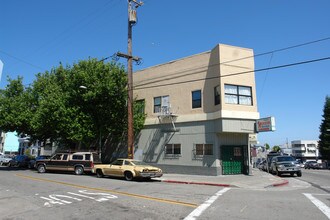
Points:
(111, 191)
(320, 205)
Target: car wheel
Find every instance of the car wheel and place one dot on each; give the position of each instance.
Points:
(99, 174)
(78, 170)
(41, 169)
(299, 174)
(278, 173)
(128, 176)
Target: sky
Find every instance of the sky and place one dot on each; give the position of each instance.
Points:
(37, 35)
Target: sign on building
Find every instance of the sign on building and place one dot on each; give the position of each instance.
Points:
(265, 124)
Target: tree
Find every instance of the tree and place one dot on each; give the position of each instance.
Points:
(324, 138)
(14, 113)
(56, 107)
(267, 146)
(276, 148)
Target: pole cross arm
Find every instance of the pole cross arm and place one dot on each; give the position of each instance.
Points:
(119, 54)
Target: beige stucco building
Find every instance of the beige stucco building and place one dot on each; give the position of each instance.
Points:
(200, 111)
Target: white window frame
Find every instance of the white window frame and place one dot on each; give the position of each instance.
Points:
(238, 95)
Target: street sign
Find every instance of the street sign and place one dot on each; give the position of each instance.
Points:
(265, 124)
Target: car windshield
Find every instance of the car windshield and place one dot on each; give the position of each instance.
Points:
(281, 159)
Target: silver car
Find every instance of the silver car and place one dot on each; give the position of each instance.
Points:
(285, 164)
(4, 159)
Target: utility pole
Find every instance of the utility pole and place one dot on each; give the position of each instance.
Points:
(132, 5)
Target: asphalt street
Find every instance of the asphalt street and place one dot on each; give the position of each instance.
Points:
(26, 194)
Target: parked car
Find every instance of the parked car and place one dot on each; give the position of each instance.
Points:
(269, 158)
(32, 162)
(319, 166)
(79, 162)
(262, 165)
(128, 169)
(310, 164)
(4, 159)
(285, 164)
(19, 161)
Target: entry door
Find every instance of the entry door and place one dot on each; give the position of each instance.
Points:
(232, 159)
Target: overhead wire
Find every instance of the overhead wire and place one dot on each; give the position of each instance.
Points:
(238, 73)
(174, 75)
(48, 43)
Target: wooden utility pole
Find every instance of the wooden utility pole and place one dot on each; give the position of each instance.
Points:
(132, 5)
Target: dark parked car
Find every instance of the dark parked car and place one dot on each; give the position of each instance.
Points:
(310, 164)
(19, 161)
(32, 163)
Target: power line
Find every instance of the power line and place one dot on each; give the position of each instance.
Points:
(239, 73)
(174, 75)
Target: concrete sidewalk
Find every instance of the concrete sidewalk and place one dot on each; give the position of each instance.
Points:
(257, 180)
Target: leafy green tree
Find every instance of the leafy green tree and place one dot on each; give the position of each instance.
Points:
(14, 107)
(78, 106)
(267, 146)
(324, 138)
(276, 148)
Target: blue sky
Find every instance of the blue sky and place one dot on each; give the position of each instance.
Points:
(37, 35)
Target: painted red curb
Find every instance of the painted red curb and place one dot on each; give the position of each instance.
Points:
(281, 184)
(197, 183)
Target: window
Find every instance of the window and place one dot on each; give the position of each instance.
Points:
(57, 157)
(140, 105)
(173, 149)
(203, 149)
(161, 104)
(217, 95)
(196, 99)
(77, 157)
(240, 95)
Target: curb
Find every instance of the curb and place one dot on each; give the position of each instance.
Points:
(284, 182)
(197, 183)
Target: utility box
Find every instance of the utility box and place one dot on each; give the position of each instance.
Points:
(132, 16)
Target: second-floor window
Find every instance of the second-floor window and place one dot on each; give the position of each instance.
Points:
(196, 99)
(161, 104)
(217, 95)
(240, 95)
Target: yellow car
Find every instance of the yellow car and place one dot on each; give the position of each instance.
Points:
(128, 169)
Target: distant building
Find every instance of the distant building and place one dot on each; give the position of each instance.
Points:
(201, 112)
(305, 149)
(35, 148)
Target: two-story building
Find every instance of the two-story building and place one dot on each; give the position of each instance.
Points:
(305, 149)
(200, 110)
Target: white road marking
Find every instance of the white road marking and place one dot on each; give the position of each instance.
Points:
(55, 199)
(200, 209)
(320, 205)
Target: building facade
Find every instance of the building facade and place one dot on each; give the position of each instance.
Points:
(200, 111)
(305, 149)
